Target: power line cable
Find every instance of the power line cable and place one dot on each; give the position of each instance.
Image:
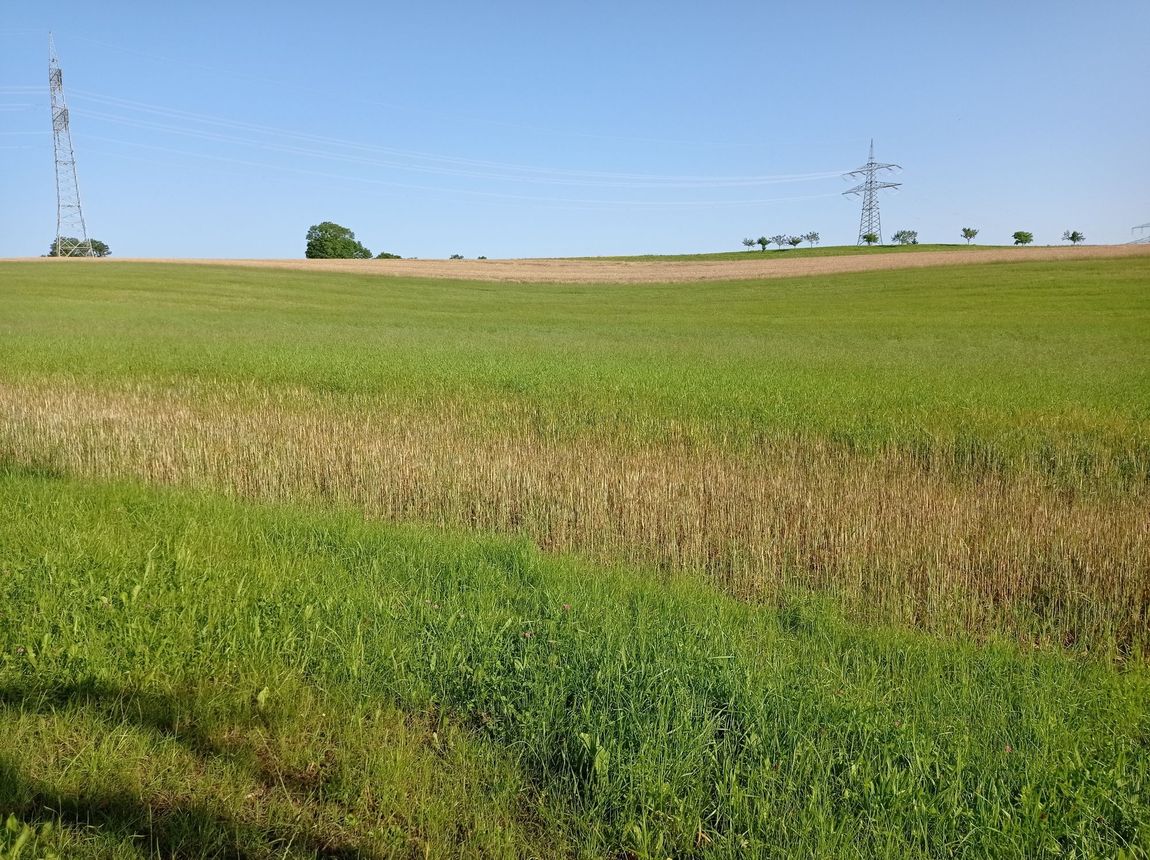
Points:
(469, 192)
(329, 155)
(647, 179)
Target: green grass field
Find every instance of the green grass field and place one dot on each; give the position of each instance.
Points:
(231, 681)
(298, 565)
(1026, 359)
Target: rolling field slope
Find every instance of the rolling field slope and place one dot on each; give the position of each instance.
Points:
(965, 446)
(308, 563)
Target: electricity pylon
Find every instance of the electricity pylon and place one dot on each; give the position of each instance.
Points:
(869, 189)
(1144, 240)
(69, 215)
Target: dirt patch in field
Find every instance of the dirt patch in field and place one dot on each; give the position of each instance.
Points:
(774, 265)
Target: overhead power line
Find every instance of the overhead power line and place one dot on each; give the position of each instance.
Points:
(445, 164)
(556, 202)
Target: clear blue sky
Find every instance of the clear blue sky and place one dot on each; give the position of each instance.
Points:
(223, 129)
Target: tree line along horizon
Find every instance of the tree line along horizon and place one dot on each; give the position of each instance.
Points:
(328, 240)
(900, 237)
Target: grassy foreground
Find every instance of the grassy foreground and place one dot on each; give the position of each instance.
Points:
(182, 675)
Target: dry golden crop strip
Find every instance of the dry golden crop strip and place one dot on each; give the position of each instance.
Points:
(886, 538)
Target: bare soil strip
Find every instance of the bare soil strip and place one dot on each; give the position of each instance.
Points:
(755, 267)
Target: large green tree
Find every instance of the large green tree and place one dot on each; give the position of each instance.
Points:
(331, 241)
(1023, 237)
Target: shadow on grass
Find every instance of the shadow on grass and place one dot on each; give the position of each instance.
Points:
(163, 825)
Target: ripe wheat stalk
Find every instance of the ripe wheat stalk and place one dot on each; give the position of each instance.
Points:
(887, 538)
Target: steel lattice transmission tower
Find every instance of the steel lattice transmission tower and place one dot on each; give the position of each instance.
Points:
(69, 215)
(1145, 240)
(870, 222)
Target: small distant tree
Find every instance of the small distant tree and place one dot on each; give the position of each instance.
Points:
(779, 239)
(1021, 237)
(330, 241)
(481, 257)
(763, 241)
(455, 257)
(969, 233)
(906, 237)
(794, 241)
(749, 243)
(1073, 237)
(384, 255)
(811, 237)
(67, 246)
(870, 238)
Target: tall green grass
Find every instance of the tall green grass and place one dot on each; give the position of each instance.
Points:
(181, 674)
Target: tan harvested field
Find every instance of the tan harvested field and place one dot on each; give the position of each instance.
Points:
(756, 266)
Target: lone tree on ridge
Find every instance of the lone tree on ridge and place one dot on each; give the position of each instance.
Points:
(1021, 237)
(969, 233)
(906, 237)
(1073, 237)
(331, 241)
(870, 238)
